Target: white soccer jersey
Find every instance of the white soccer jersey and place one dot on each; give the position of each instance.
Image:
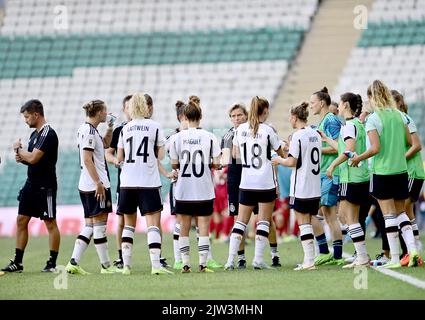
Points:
(139, 138)
(257, 170)
(88, 138)
(194, 149)
(306, 147)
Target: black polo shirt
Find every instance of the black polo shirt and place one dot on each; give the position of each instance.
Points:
(43, 173)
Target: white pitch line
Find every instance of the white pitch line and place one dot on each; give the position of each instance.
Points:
(403, 277)
(397, 275)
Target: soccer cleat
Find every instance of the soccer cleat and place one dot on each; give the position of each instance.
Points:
(164, 263)
(302, 267)
(357, 263)
(126, 271)
(75, 269)
(322, 258)
(229, 266)
(186, 269)
(335, 262)
(212, 264)
(119, 264)
(405, 260)
(178, 265)
(13, 267)
(161, 270)
(351, 259)
(260, 265)
(205, 269)
(276, 262)
(380, 260)
(391, 265)
(50, 267)
(414, 259)
(241, 264)
(108, 270)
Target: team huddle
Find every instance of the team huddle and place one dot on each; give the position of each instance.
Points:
(339, 170)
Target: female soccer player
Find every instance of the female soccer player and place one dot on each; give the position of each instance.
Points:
(304, 157)
(415, 170)
(194, 152)
(388, 134)
(180, 106)
(331, 126)
(354, 181)
(252, 143)
(140, 145)
(94, 187)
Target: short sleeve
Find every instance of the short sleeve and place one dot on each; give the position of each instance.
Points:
(160, 141)
(373, 123)
(235, 139)
(332, 127)
(294, 147)
(47, 140)
(411, 124)
(115, 137)
(274, 140)
(227, 140)
(349, 132)
(88, 140)
(120, 143)
(173, 149)
(216, 151)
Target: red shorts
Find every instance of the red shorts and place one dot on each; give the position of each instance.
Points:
(220, 202)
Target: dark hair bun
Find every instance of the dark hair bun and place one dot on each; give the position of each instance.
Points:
(324, 90)
(179, 104)
(304, 105)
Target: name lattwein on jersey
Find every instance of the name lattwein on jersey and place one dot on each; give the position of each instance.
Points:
(138, 128)
(191, 141)
(214, 310)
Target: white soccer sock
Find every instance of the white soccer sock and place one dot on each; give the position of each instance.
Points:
(235, 240)
(406, 230)
(185, 250)
(415, 229)
(154, 244)
(176, 246)
(82, 242)
(261, 240)
(101, 243)
(210, 256)
(307, 241)
(391, 228)
(127, 245)
(357, 235)
(203, 247)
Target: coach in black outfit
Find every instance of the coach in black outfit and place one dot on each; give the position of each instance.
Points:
(37, 198)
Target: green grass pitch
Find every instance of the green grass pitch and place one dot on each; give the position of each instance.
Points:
(328, 282)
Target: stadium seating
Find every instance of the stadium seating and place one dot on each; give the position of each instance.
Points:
(224, 51)
(391, 49)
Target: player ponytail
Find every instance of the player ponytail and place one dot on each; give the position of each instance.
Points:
(193, 111)
(354, 101)
(139, 107)
(323, 95)
(93, 107)
(399, 101)
(379, 96)
(300, 111)
(258, 105)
